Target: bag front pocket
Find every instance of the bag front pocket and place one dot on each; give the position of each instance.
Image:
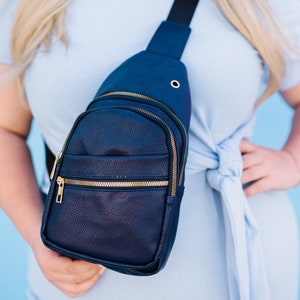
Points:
(94, 217)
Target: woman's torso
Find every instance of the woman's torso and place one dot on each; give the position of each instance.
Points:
(225, 74)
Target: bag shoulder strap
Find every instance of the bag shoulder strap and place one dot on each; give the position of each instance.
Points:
(171, 36)
(182, 11)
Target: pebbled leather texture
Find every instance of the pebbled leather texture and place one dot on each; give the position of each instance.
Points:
(134, 132)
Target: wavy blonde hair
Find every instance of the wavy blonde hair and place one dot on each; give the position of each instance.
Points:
(34, 25)
(36, 21)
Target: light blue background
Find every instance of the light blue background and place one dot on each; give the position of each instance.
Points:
(273, 124)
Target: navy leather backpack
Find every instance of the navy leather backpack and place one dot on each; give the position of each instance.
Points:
(117, 184)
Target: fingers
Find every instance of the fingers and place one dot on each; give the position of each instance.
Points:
(251, 154)
(255, 168)
(254, 173)
(78, 289)
(258, 186)
(73, 277)
(250, 160)
(247, 146)
(64, 265)
(253, 160)
(266, 169)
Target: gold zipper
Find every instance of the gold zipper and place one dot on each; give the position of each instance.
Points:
(105, 184)
(57, 158)
(61, 184)
(130, 94)
(173, 145)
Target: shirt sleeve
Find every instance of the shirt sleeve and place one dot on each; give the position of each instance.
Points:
(288, 15)
(6, 19)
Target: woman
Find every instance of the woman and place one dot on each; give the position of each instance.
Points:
(234, 45)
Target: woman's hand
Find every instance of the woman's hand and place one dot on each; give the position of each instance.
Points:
(267, 169)
(73, 277)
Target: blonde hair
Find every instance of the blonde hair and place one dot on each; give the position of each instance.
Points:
(255, 21)
(34, 25)
(36, 21)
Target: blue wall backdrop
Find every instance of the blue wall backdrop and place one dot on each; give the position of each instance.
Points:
(272, 127)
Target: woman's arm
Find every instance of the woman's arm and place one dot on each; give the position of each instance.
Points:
(20, 197)
(270, 169)
(292, 97)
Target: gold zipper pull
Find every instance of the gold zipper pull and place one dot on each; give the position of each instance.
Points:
(57, 158)
(61, 183)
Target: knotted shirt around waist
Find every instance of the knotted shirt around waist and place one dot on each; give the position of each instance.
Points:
(245, 262)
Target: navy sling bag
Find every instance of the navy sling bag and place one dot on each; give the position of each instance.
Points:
(117, 183)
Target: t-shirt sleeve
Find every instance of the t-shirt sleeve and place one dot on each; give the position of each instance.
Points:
(288, 15)
(6, 19)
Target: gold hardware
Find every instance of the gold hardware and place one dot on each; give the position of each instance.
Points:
(173, 144)
(105, 184)
(61, 183)
(116, 184)
(57, 158)
(175, 84)
(130, 94)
